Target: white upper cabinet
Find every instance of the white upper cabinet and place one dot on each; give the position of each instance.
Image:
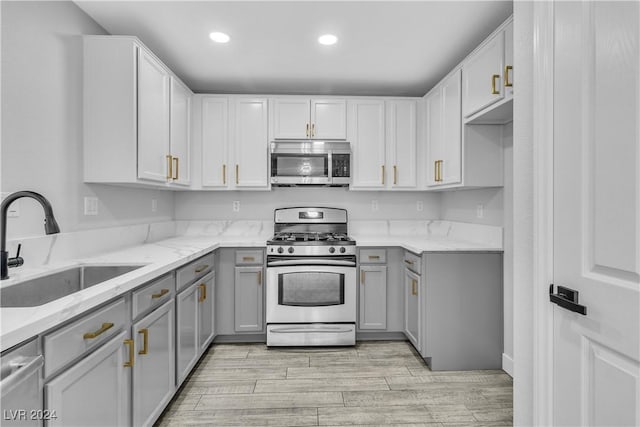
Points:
(304, 118)
(251, 142)
(402, 144)
(444, 132)
(136, 116)
(508, 61)
(482, 76)
(215, 141)
(366, 132)
(180, 134)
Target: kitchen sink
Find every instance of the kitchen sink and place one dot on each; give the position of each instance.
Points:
(42, 290)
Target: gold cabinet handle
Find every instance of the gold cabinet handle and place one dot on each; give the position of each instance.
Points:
(260, 277)
(91, 335)
(362, 276)
(129, 363)
(374, 256)
(435, 170)
(307, 130)
(203, 293)
(395, 174)
(414, 287)
(237, 174)
(408, 262)
(313, 129)
(202, 268)
(160, 294)
(439, 170)
(170, 167)
(507, 83)
(248, 258)
(382, 174)
(494, 89)
(145, 341)
(224, 174)
(176, 169)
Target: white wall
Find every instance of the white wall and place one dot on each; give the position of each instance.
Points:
(460, 205)
(260, 205)
(42, 123)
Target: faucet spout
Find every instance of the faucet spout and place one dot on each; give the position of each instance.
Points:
(50, 224)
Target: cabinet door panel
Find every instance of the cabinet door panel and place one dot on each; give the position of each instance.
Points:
(477, 75)
(251, 142)
(187, 331)
(373, 297)
(412, 308)
(328, 119)
(153, 118)
(104, 374)
(154, 371)
(248, 299)
(452, 130)
(206, 304)
(435, 143)
(508, 61)
(402, 142)
(291, 119)
(367, 136)
(215, 140)
(180, 132)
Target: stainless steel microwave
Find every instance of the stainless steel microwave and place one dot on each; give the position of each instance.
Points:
(310, 163)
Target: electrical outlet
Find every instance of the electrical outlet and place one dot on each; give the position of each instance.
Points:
(236, 205)
(91, 206)
(480, 211)
(154, 205)
(419, 206)
(374, 206)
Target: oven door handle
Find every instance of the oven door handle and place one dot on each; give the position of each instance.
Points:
(324, 329)
(311, 262)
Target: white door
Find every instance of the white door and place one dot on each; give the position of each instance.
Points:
(402, 144)
(596, 371)
(367, 138)
(251, 143)
(328, 119)
(153, 119)
(291, 118)
(180, 134)
(215, 142)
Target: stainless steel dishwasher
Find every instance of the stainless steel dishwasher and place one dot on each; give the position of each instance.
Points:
(21, 385)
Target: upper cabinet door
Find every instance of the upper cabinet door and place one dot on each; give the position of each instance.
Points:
(291, 118)
(366, 132)
(435, 143)
(508, 61)
(402, 143)
(215, 137)
(482, 76)
(180, 134)
(451, 165)
(153, 119)
(328, 119)
(251, 143)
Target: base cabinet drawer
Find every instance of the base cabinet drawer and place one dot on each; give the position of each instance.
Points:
(194, 270)
(95, 391)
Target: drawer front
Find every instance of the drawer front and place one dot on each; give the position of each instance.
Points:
(71, 341)
(251, 257)
(412, 261)
(373, 256)
(194, 270)
(153, 295)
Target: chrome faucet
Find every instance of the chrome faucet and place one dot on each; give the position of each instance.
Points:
(50, 227)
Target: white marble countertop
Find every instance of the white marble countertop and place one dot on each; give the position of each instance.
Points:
(19, 324)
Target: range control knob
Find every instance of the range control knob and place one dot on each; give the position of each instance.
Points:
(343, 250)
(290, 249)
(332, 250)
(280, 249)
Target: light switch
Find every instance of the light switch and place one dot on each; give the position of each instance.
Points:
(91, 206)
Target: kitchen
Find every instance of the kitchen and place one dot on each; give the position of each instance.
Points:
(42, 94)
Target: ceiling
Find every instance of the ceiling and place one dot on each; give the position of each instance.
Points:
(392, 48)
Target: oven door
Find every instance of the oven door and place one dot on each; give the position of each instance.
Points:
(300, 168)
(311, 294)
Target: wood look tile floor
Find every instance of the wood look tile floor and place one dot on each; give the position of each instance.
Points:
(373, 383)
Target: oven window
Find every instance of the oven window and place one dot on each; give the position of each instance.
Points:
(300, 165)
(310, 289)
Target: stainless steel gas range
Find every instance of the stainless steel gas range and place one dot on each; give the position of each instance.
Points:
(311, 279)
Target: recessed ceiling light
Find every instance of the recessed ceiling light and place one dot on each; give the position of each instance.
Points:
(327, 39)
(219, 37)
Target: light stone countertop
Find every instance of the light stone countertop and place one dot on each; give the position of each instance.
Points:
(20, 324)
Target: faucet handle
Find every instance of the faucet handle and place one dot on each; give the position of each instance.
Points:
(16, 261)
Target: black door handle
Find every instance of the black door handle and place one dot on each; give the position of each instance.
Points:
(567, 298)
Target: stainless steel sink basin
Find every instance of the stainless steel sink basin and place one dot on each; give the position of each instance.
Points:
(42, 290)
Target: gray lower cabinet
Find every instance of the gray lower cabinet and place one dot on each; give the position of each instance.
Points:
(186, 331)
(96, 390)
(154, 367)
(373, 297)
(248, 299)
(412, 310)
(206, 306)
